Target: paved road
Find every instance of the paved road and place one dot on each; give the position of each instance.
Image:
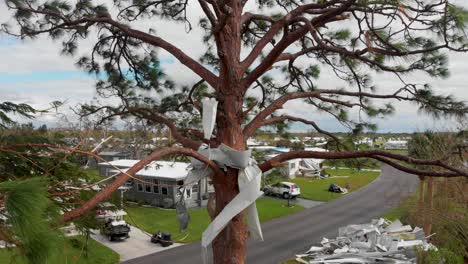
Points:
(302, 202)
(293, 234)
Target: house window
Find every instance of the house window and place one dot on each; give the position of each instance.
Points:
(195, 188)
(140, 187)
(164, 190)
(189, 193)
(148, 187)
(156, 186)
(293, 165)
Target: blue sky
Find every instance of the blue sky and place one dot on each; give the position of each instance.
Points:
(8, 40)
(39, 82)
(11, 78)
(57, 75)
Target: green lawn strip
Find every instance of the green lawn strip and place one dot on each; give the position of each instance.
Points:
(450, 233)
(402, 211)
(67, 253)
(153, 219)
(317, 189)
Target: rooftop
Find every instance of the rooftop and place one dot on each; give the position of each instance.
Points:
(157, 169)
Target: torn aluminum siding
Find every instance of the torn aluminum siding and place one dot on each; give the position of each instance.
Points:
(379, 241)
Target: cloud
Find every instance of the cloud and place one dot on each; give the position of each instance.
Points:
(6, 41)
(34, 71)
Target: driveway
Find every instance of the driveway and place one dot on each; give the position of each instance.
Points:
(303, 202)
(137, 245)
(293, 234)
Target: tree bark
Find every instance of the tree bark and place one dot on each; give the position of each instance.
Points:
(229, 247)
(87, 243)
(429, 206)
(446, 192)
(420, 212)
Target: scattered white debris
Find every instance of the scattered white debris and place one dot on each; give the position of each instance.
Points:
(4, 244)
(380, 241)
(314, 249)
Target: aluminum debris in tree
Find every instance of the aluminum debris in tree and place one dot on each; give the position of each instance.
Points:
(249, 181)
(209, 116)
(379, 241)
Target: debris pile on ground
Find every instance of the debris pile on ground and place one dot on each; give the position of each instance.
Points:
(380, 241)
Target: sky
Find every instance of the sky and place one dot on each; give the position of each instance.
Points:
(34, 72)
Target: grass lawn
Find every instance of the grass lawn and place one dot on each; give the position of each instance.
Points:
(317, 189)
(154, 219)
(401, 212)
(66, 253)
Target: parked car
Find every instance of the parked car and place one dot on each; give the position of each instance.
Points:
(286, 190)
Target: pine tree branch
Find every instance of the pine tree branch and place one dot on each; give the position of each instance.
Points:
(149, 115)
(331, 14)
(68, 24)
(283, 118)
(383, 156)
(277, 26)
(278, 103)
(123, 177)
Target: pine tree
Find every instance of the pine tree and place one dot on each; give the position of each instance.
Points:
(256, 62)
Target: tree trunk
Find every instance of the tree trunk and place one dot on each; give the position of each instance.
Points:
(420, 208)
(87, 244)
(429, 206)
(229, 246)
(446, 192)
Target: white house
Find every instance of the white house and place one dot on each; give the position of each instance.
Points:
(254, 142)
(294, 167)
(396, 144)
(161, 181)
(365, 141)
(319, 139)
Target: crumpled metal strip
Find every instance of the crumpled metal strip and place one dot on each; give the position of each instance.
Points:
(182, 213)
(209, 116)
(249, 180)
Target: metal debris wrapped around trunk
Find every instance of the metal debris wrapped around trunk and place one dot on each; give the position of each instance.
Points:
(380, 241)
